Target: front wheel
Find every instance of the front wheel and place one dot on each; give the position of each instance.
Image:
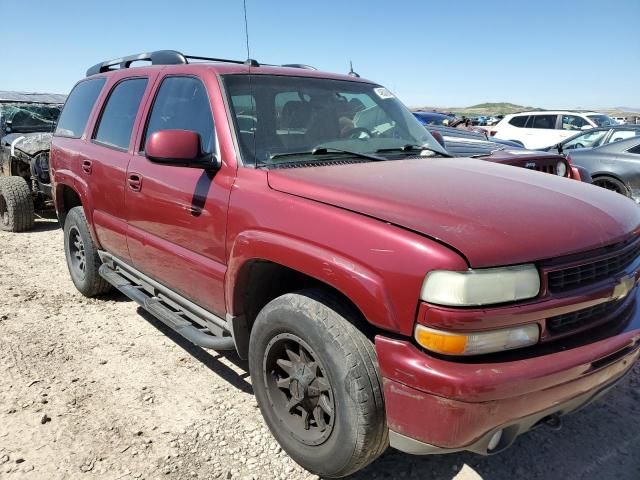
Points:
(316, 380)
(16, 205)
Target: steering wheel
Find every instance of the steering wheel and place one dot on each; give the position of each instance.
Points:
(578, 145)
(356, 133)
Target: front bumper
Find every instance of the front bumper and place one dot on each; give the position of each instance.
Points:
(439, 406)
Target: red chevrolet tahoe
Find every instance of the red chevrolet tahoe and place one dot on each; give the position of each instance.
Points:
(382, 292)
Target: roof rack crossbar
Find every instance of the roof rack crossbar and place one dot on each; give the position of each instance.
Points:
(160, 57)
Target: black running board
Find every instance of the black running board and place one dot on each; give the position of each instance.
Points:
(166, 315)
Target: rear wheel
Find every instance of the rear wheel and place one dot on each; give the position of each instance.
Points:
(316, 380)
(82, 255)
(16, 205)
(613, 184)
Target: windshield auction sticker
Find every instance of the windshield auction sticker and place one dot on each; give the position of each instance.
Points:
(383, 93)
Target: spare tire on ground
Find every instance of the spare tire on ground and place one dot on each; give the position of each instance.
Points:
(16, 205)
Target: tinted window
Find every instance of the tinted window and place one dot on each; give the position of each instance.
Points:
(518, 121)
(116, 122)
(76, 111)
(182, 104)
(544, 121)
(635, 150)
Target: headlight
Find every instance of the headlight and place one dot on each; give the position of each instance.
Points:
(481, 287)
(448, 343)
(561, 169)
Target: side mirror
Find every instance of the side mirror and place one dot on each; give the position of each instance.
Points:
(439, 138)
(7, 126)
(179, 148)
(586, 127)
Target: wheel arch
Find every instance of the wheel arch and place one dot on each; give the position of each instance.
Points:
(265, 265)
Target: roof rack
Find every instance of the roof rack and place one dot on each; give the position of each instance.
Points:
(171, 57)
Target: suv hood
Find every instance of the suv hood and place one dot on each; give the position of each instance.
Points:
(492, 214)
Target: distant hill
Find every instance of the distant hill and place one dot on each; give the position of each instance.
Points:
(505, 108)
(487, 108)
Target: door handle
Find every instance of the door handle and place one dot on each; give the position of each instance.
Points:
(134, 181)
(86, 166)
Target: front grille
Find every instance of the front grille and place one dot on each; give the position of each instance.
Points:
(575, 277)
(544, 168)
(581, 318)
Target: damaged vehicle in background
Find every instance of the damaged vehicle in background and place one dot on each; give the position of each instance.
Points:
(26, 123)
(464, 143)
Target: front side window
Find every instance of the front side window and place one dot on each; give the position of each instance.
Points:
(119, 114)
(182, 103)
(278, 116)
(621, 134)
(547, 122)
(518, 121)
(573, 122)
(77, 108)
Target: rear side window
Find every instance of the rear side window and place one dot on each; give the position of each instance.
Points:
(119, 114)
(182, 103)
(635, 150)
(75, 113)
(544, 121)
(518, 121)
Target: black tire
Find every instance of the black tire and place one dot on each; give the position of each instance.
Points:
(82, 256)
(343, 359)
(16, 205)
(612, 184)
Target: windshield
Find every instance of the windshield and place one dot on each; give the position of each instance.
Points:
(29, 117)
(279, 115)
(602, 120)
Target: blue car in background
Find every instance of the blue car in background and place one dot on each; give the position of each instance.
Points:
(434, 118)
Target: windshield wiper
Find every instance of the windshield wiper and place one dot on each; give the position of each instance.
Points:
(328, 151)
(413, 148)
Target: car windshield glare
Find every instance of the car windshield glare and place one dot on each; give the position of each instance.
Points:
(602, 120)
(29, 117)
(279, 115)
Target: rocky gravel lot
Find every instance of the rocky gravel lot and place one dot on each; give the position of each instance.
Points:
(96, 388)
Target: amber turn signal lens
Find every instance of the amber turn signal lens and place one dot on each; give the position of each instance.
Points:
(441, 342)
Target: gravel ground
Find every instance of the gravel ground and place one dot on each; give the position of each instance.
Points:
(99, 389)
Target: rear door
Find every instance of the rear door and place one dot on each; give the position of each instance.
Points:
(105, 159)
(541, 131)
(177, 215)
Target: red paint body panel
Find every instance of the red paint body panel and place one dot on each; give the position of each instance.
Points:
(479, 208)
(378, 266)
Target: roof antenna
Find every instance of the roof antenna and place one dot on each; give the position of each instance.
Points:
(250, 61)
(351, 72)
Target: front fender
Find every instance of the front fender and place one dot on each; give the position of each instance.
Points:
(361, 285)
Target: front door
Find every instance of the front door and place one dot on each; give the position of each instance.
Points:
(177, 215)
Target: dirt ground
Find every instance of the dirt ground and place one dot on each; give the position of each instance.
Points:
(99, 389)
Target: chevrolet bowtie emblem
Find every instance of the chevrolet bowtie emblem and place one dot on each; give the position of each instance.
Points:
(624, 286)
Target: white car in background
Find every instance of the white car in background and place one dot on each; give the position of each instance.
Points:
(541, 129)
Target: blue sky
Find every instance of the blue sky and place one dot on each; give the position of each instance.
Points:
(582, 53)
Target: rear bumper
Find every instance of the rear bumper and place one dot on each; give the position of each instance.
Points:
(438, 406)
